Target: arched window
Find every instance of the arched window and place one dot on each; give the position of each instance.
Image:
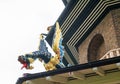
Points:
(96, 48)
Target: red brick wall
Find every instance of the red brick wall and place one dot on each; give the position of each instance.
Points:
(109, 30)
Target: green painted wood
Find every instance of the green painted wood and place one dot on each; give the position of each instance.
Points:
(107, 79)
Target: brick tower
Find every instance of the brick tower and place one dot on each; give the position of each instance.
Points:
(105, 37)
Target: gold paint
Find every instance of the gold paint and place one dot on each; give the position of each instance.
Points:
(31, 60)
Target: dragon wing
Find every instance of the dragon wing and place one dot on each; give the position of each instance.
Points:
(57, 42)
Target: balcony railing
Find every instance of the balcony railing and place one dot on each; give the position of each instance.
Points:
(111, 53)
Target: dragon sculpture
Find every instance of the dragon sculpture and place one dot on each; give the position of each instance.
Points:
(50, 62)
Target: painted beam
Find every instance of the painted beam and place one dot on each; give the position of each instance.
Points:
(98, 71)
(37, 81)
(110, 78)
(77, 75)
(58, 79)
(118, 65)
(28, 82)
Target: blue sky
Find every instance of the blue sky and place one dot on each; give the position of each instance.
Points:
(21, 22)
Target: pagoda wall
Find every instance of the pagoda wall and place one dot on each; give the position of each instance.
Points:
(104, 37)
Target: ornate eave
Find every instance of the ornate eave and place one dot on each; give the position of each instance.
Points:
(79, 19)
(105, 71)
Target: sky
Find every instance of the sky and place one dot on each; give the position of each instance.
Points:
(21, 22)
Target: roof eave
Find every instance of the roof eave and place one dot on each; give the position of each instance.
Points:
(69, 69)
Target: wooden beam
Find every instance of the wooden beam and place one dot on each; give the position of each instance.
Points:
(41, 81)
(98, 71)
(64, 75)
(56, 78)
(77, 75)
(109, 78)
(118, 65)
(28, 82)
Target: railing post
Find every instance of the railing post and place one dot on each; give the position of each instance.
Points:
(111, 54)
(118, 52)
(106, 56)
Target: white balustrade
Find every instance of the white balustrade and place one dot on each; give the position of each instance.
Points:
(111, 53)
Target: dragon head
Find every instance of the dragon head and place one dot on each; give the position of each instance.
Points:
(25, 61)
